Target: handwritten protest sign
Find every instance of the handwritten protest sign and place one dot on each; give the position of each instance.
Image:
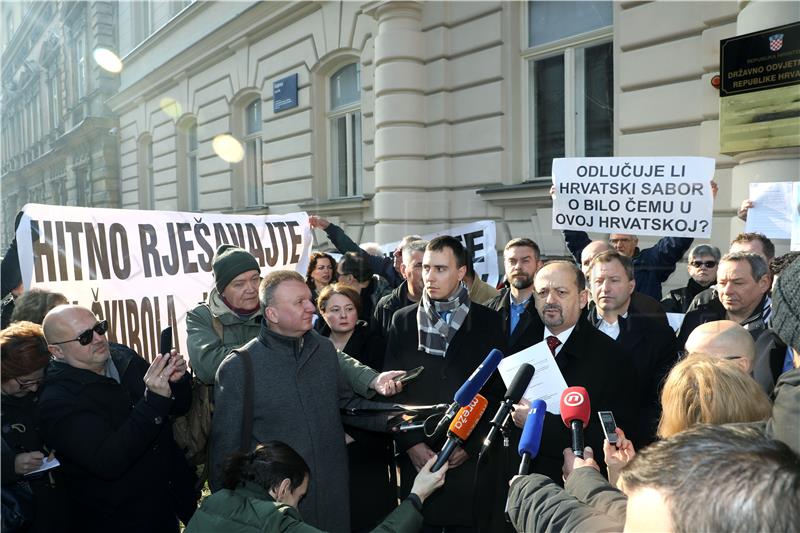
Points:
(143, 270)
(479, 238)
(661, 196)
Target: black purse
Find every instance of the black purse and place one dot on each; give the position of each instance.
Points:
(19, 506)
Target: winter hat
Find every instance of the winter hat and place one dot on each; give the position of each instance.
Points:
(229, 262)
(785, 319)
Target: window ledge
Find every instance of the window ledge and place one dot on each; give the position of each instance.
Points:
(534, 193)
(335, 206)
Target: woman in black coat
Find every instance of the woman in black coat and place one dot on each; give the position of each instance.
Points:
(373, 492)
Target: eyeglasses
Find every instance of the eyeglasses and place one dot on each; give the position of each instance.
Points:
(707, 264)
(85, 337)
(28, 385)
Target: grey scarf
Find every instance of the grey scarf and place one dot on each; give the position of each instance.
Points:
(435, 334)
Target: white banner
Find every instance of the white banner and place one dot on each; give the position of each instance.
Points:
(661, 196)
(480, 238)
(143, 270)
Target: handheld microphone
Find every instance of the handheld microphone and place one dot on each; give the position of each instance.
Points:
(531, 435)
(469, 389)
(460, 429)
(513, 395)
(575, 412)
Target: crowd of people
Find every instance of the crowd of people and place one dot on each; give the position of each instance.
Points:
(306, 376)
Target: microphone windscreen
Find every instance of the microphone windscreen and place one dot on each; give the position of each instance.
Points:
(532, 432)
(575, 405)
(520, 382)
(478, 379)
(467, 417)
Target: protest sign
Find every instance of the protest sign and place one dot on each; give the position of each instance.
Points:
(661, 196)
(479, 238)
(143, 270)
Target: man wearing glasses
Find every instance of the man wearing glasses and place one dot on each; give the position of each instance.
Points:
(702, 267)
(106, 412)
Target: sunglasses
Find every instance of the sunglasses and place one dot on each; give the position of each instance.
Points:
(85, 337)
(707, 264)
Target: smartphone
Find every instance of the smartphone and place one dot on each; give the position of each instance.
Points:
(609, 426)
(165, 344)
(411, 374)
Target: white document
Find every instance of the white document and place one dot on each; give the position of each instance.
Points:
(47, 464)
(772, 210)
(675, 320)
(547, 383)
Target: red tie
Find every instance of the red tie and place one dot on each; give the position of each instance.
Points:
(553, 343)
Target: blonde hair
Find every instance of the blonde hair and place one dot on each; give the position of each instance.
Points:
(707, 390)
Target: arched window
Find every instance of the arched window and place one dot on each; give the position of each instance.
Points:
(254, 185)
(344, 117)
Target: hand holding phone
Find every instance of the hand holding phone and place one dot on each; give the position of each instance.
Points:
(165, 344)
(411, 374)
(609, 426)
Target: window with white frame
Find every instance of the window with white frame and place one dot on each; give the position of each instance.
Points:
(570, 81)
(53, 100)
(79, 66)
(344, 119)
(254, 186)
(142, 20)
(191, 167)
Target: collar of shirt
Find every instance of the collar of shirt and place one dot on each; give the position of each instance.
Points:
(523, 303)
(612, 330)
(563, 336)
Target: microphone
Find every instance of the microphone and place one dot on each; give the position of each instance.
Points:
(460, 429)
(531, 435)
(575, 412)
(469, 389)
(513, 395)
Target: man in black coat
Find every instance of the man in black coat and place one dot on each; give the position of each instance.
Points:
(586, 357)
(106, 415)
(652, 344)
(450, 336)
(408, 293)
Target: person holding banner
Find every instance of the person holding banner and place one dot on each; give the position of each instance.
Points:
(702, 267)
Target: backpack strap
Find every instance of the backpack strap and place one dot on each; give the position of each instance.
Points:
(247, 405)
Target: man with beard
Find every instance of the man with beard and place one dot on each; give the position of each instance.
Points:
(586, 358)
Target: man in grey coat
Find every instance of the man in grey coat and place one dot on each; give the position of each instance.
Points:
(298, 392)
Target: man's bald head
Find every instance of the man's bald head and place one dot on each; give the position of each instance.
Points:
(589, 252)
(724, 339)
(63, 325)
(56, 321)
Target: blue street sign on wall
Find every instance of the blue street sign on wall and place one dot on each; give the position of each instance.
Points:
(284, 93)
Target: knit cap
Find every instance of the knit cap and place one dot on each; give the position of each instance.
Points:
(786, 306)
(229, 262)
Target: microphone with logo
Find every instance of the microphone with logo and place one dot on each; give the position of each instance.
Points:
(575, 412)
(460, 429)
(513, 395)
(469, 389)
(531, 436)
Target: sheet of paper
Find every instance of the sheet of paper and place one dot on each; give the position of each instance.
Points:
(47, 464)
(795, 244)
(772, 210)
(675, 320)
(547, 383)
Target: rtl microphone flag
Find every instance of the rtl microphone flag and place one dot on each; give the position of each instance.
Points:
(575, 412)
(460, 429)
(531, 435)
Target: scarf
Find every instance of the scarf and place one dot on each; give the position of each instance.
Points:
(435, 333)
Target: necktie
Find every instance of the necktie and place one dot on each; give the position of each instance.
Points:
(553, 343)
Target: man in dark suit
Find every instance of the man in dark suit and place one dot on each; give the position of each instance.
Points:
(652, 344)
(586, 357)
(450, 336)
(521, 323)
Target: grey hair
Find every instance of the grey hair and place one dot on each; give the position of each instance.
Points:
(705, 249)
(757, 264)
(411, 247)
(270, 283)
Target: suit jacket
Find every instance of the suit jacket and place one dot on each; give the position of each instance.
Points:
(768, 363)
(442, 377)
(529, 329)
(655, 352)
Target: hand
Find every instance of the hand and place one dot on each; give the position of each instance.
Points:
(180, 366)
(520, 412)
(552, 192)
(572, 461)
(25, 463)
(617, 456)
(157, 376)
(457, 458)
(420, 454)
(426, 481)
(714, 189)
(385, 384)
(318, 222)
(742, 213)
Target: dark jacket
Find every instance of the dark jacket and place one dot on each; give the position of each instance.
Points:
(655, 352)
(768, 363)
(651, 266)
(443, 376)
(785, 422)
(383, 266)
(386, 307)
(756, 323)
(529, 328)
(679, 299)
(119, 464)
(371, 295)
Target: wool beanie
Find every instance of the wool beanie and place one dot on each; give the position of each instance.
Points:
(229, 262)
(786, 306)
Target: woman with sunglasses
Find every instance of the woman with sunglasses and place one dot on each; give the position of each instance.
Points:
(23, 359)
